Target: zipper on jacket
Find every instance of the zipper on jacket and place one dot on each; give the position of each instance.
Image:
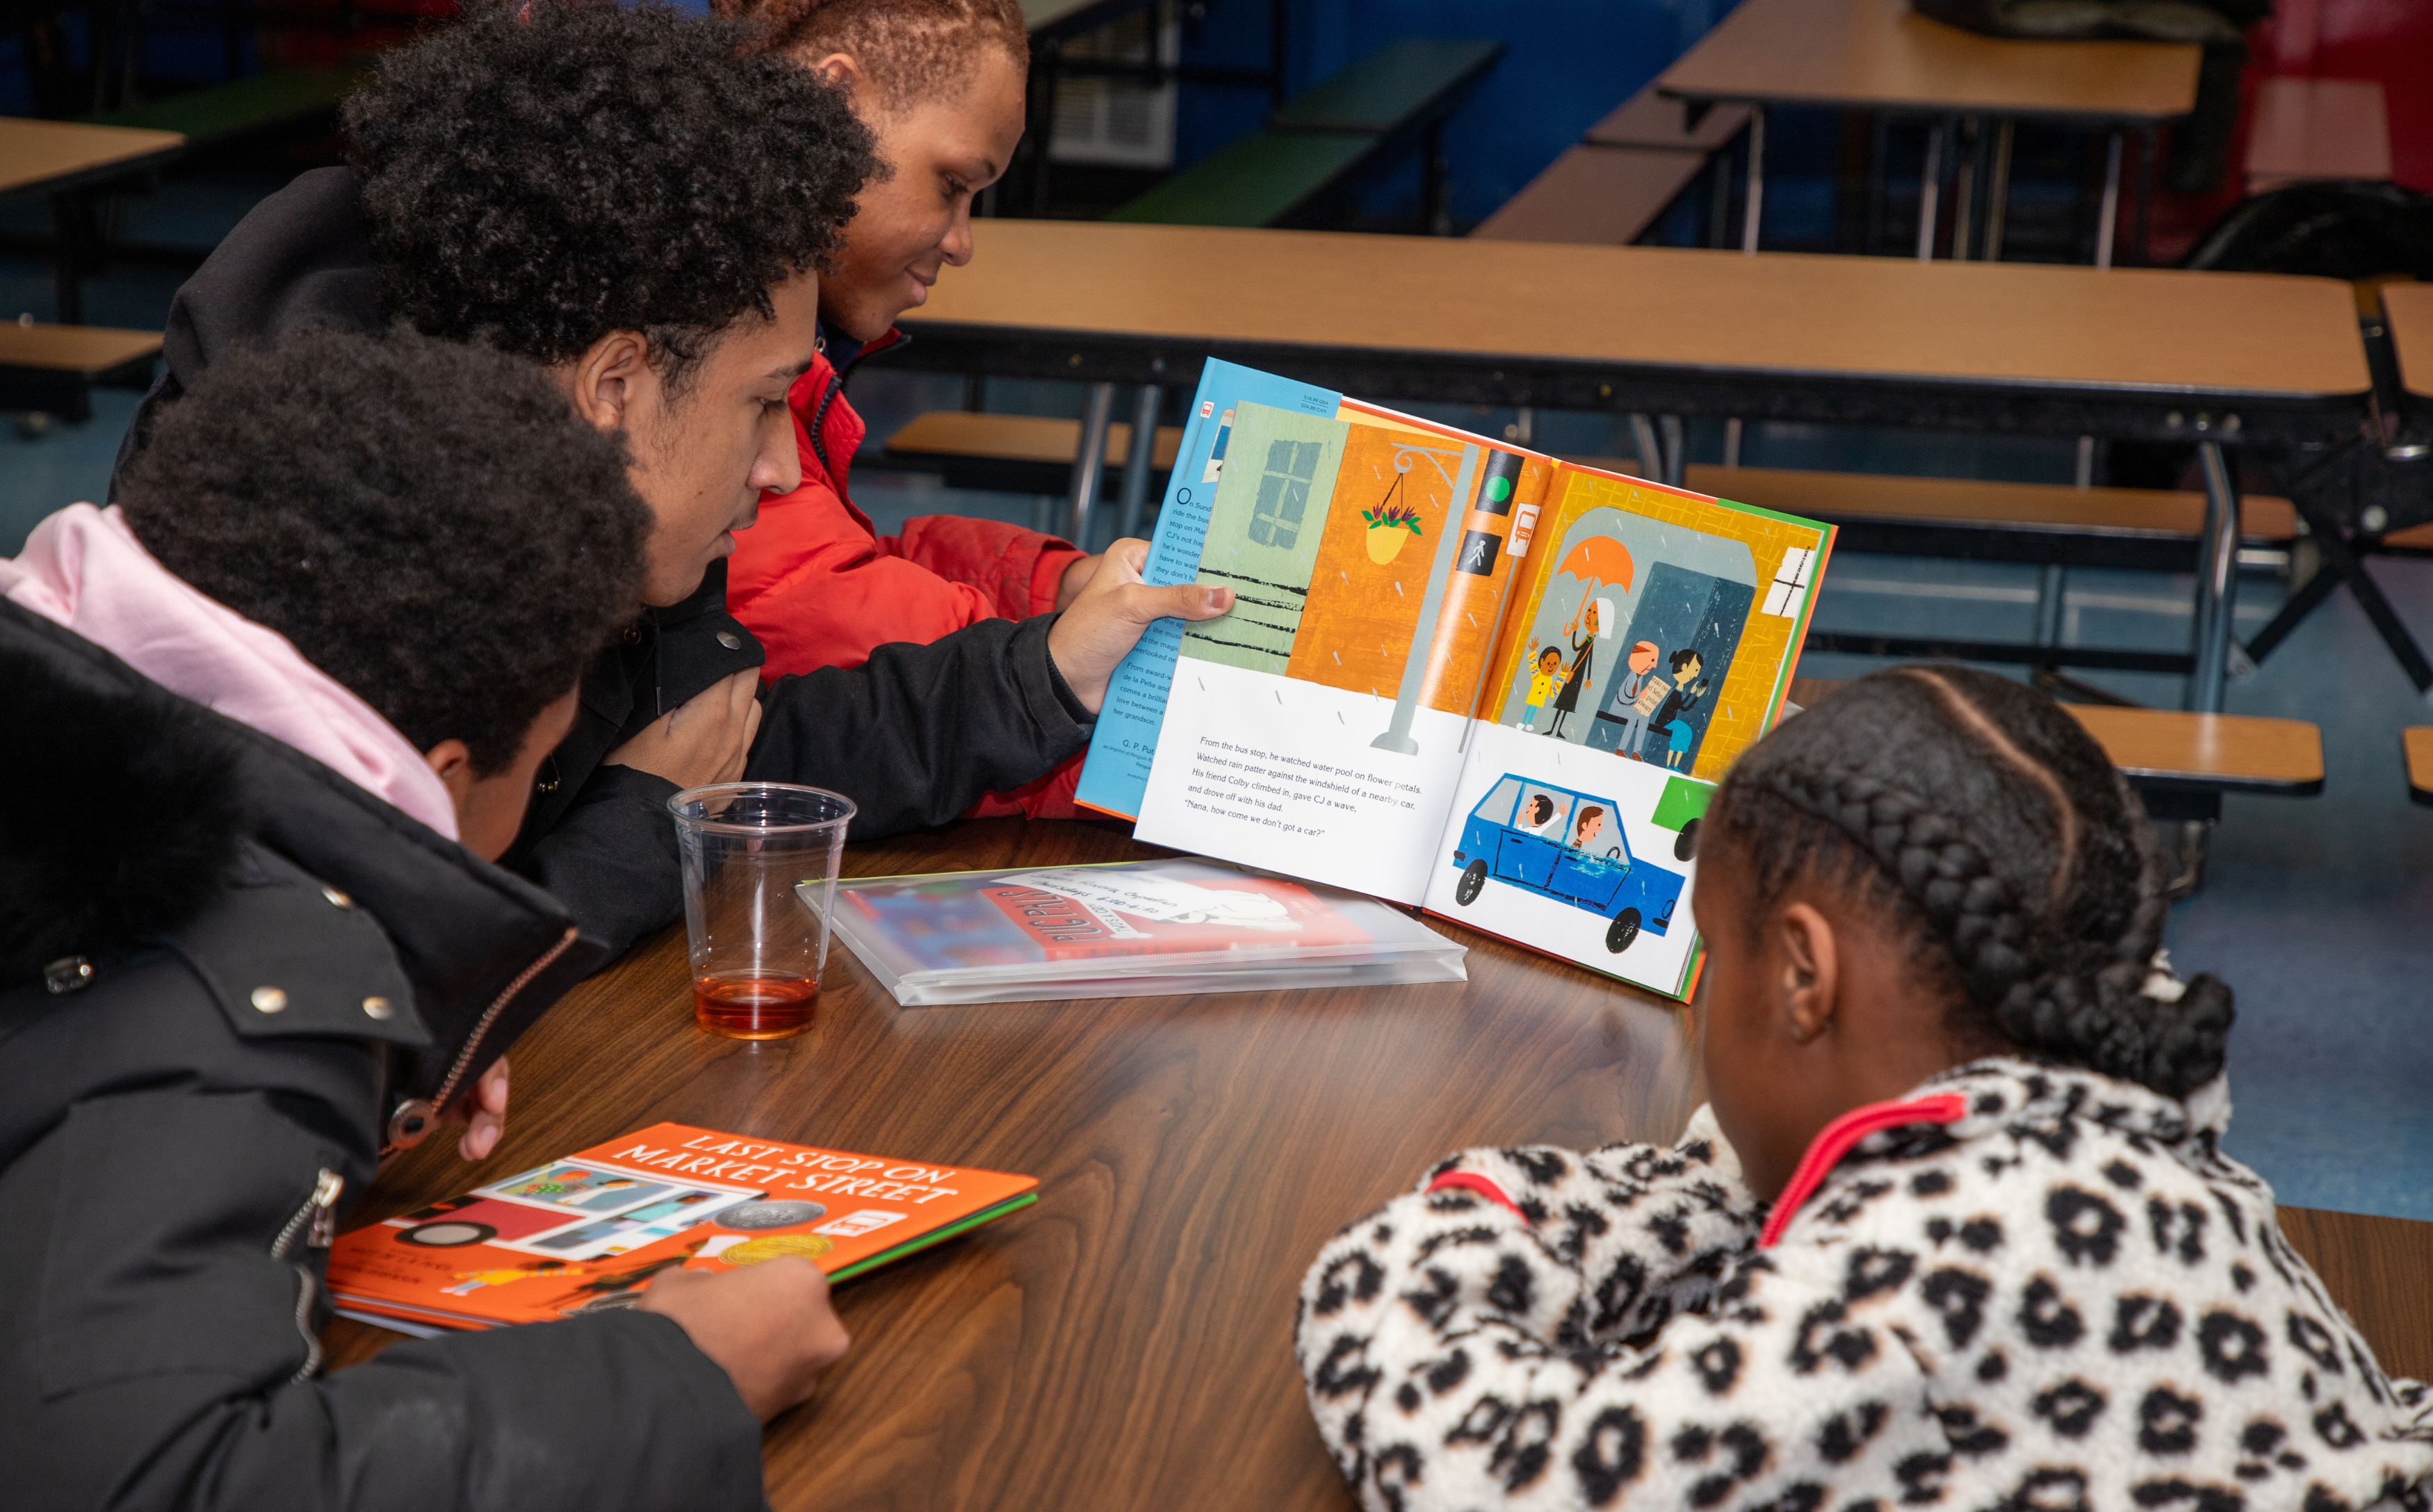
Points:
(320, 1211)
(820, 417)
(317, 1221)
(414, 1117)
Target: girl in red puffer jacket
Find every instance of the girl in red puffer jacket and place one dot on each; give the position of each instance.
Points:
(940, 82)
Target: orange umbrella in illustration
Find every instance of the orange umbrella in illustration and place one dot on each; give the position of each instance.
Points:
(1599, 559)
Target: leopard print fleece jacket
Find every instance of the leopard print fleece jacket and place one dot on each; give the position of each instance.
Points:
(2067, 1298)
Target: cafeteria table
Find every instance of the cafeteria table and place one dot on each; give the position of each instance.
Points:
(2232, 363)
(64, 158)
(1127, 1343)
(1880, 56)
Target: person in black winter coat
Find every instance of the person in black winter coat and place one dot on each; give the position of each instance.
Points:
(334, 626)
(625, 197)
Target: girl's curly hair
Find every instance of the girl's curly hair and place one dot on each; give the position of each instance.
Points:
(544, 171)
(1989, 825)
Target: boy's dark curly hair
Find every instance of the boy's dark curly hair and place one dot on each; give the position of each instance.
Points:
(911, 50)
(1987, 822)
(427, 521)
(539, 175)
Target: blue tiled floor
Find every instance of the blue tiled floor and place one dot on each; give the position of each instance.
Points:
(2311, 906)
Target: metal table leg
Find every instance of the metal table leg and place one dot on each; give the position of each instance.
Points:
(76, 244)
(1755, 212)
(2216, 579)
(1141, 458)
(2146, 156)
(1968, 195)
(2342, 565)
(1089, 461)
(1998, 199)
(1651, 451)
(1930, 190)
(2109, 220)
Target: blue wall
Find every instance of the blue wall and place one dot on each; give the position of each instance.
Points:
(1567, 62)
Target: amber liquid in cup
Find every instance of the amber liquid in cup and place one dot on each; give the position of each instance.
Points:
(755, 1006)
(761, 863)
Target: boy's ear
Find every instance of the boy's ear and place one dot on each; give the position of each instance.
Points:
(1811, 970)
(839, 70)
(451, 762)
(604, 382)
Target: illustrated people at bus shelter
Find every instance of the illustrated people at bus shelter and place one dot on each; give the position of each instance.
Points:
(1541, 685)
(1637, 668)
(1670, 718)
(1583, 631)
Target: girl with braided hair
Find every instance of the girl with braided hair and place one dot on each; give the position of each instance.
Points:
(939, 84)
(1956, 1228)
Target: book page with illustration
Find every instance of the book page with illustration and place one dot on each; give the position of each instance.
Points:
(1652, 640)
(1317, 729)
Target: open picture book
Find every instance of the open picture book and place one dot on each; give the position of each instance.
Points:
(1459, 674)
(586, 1233)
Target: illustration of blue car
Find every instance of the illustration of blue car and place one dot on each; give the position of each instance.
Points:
(1569, 846)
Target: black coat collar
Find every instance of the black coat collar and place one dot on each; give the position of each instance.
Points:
(464, 931)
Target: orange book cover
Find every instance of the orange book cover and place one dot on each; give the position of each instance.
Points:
(586, 1233)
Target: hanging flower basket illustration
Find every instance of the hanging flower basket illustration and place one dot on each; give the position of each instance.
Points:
(1390, 526)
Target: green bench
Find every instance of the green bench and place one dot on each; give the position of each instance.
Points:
(223, 112)
(1390, 101)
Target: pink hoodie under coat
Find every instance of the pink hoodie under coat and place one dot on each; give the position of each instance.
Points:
(83, 569)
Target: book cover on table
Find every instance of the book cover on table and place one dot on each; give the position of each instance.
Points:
(586, 1233)
(1462, 676)
(1135, 928)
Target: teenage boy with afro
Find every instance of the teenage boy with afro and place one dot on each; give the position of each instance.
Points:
(269, 717)
(639, 203)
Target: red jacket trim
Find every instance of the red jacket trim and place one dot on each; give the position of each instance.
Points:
(1835, 1140)
(1484, 1186)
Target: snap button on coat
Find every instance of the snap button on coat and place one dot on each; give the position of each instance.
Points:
(377, 1007)
(269, 999)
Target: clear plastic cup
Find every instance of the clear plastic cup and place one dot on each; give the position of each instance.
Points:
(759, 873)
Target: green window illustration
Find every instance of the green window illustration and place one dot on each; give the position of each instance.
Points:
(1284, 492)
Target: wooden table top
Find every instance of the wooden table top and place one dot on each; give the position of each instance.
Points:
(1113, 1345)
(2235, 752)
(2409, 309)
(1963, 501)
(1648, 119)
(2250, 753)
(88, 349)
(2416, 748)
(1109, 1347)
(44, 155)
(1878, 55)
(1032, 438)
(2151, 332)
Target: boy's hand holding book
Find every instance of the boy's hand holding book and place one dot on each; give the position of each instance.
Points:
(1110, 613)
(769, 1327)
